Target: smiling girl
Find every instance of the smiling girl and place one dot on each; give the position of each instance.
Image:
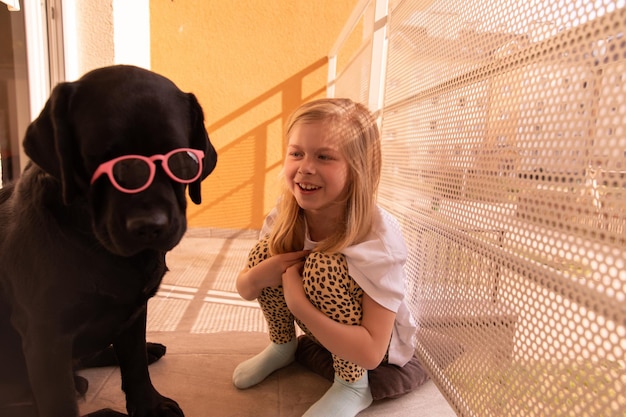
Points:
(330, 259)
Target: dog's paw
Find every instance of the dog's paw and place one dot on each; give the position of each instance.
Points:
(107, 357)
(107, 412)
(155, 351)
(81, 385)
(166, 407)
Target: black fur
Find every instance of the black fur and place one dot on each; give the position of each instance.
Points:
(78, 262)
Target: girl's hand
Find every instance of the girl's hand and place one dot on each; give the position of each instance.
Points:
(267, 273)
(293, 287)
(274, 268)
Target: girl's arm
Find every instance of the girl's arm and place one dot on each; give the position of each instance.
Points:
(364, 345)
(268, 273)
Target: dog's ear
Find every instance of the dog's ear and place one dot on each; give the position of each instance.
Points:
(49, 143)
(200, 140)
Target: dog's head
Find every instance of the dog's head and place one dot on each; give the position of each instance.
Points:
(114, 112)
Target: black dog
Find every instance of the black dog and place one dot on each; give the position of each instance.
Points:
(81, 254)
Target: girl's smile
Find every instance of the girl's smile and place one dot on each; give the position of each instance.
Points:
(308, 187)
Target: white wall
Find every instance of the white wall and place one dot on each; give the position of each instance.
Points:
(98, 33)
(131, 21)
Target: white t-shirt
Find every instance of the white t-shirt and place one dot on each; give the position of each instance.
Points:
(377, 265)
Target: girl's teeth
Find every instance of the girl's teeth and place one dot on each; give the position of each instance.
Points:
(308, 187)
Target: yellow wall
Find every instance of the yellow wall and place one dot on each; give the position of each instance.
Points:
(250, 63)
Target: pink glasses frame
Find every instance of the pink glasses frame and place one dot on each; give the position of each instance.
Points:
(107, 168)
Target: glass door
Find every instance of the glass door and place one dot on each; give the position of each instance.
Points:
(31, 60)
(14, 93)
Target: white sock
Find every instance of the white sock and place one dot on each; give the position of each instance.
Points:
(259, 367)
(343, 399)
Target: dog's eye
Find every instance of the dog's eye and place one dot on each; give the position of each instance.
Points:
(131, 173)
(184, 165)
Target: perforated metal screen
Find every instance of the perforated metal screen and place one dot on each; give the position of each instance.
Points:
(504, 129)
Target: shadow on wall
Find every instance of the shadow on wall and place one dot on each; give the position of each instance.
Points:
(249, 165)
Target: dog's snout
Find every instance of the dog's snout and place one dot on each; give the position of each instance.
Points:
(147, 227)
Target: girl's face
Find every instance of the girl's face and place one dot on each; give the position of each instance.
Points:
(316, 171)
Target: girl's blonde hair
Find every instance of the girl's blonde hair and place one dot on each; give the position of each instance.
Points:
(359, 141)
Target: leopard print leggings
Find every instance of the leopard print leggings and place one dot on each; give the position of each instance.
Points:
(329, 288)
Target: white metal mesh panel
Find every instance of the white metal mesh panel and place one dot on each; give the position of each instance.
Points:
(353, 82)
(354, 67)
(504, 128)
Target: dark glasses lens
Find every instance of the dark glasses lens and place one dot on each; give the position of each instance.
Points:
(184, 165)
(134, 173)
(131, 173)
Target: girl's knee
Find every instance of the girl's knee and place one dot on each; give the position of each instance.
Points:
(258, 253)
(330, 288)
(325, 273)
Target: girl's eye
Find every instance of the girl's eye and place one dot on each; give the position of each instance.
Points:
(325, 157)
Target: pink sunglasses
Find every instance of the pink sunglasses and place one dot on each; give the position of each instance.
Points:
(134, 173)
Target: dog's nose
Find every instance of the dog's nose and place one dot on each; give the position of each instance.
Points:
(147, 227)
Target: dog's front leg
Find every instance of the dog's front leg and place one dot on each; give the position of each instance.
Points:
(142, 399)
(48, 356)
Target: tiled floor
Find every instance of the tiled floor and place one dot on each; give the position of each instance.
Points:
(208, 330)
